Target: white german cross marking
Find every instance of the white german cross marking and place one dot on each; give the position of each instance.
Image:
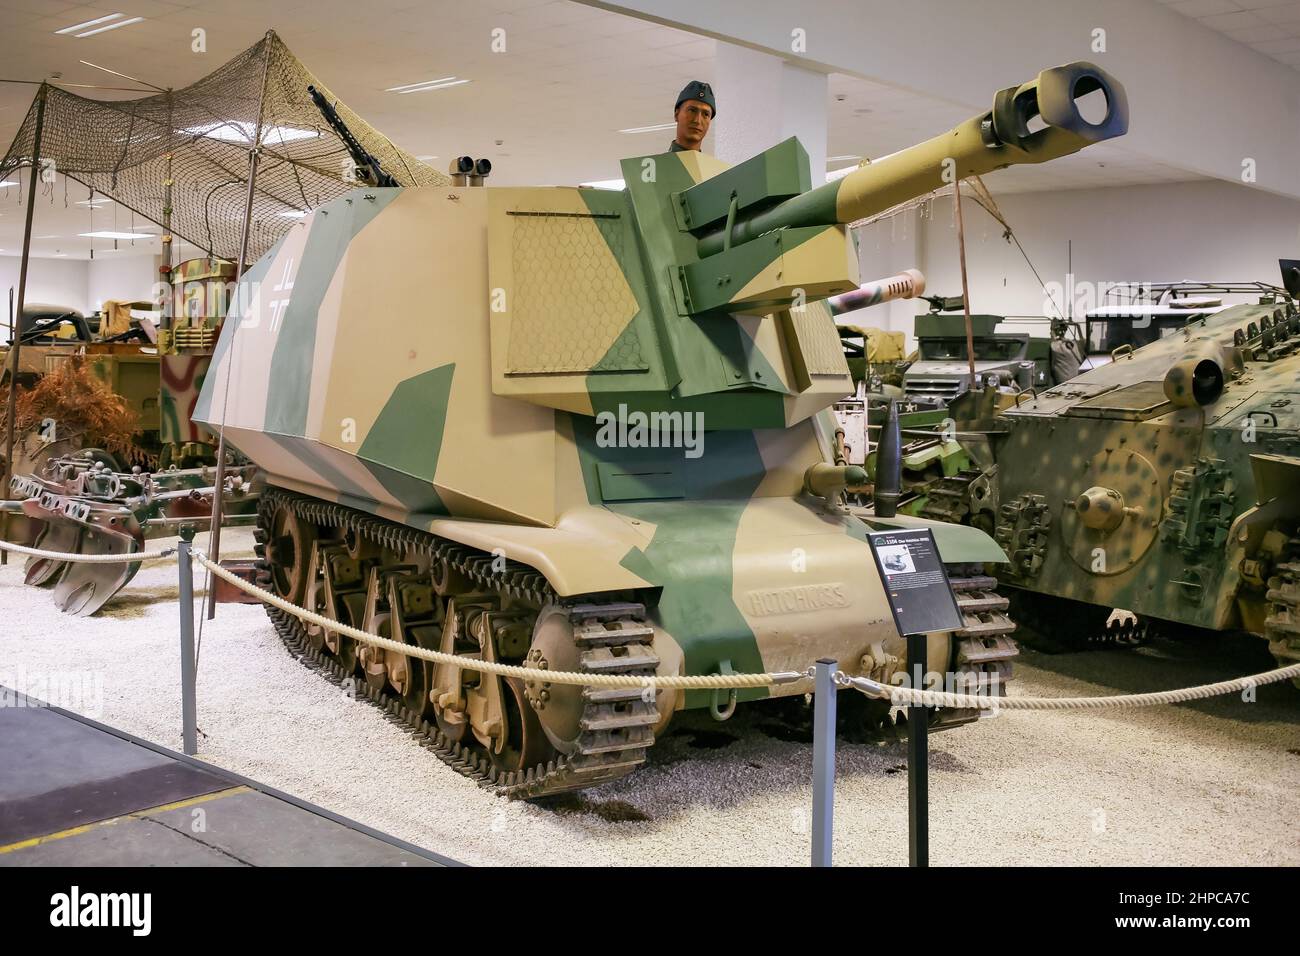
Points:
(282, 291)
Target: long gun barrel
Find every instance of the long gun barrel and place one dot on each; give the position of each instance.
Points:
(908, 284)
(1032, 123)
(368, 168)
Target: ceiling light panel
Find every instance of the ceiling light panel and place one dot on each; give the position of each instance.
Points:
(111, 26)
(89, 23)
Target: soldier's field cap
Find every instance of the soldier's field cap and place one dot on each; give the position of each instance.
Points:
(697, 90)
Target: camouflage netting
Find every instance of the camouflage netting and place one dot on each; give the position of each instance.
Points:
(119, 148)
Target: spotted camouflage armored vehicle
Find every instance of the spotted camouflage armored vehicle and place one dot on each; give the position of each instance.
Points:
(591, 430)
(1166, 483)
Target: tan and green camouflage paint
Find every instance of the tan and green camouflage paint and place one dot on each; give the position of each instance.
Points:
(1114, 427)
(438, 357)
(750, 571)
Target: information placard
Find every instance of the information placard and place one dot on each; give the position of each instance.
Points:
(915, 581)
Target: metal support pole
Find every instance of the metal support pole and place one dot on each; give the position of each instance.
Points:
(823, 761)
(167, 305)
(254, 151)
(965, 290)
(189, 715)
(16, 332)
(918, 756)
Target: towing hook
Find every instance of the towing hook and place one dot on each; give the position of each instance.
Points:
(716, 710)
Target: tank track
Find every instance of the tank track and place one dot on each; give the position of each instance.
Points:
(983, 645)
(1282, 626)
(618, 727)
(983, 610)
(1053, 625)
(948, 498)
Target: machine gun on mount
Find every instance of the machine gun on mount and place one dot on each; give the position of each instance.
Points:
(368, 170)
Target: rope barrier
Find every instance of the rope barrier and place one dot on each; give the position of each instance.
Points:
(71, 557)
(905, 696)
(682, 682)
(898, 696)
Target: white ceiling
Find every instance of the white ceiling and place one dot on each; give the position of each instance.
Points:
(1271, 27)
(571, 77)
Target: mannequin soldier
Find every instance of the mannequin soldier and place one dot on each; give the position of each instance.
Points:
(694, 111)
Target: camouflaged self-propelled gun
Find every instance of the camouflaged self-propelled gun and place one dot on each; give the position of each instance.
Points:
(591, 430)
(1166, 483)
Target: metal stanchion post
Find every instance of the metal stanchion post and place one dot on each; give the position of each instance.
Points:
(918, 782)
(823, 761)
(189, 717)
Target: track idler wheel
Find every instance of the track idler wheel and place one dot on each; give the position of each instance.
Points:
(558, 706)
(288, 554)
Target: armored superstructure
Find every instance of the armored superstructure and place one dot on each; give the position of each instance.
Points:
(604, 443)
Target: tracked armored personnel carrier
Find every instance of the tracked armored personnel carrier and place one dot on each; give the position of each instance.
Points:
(586, 429)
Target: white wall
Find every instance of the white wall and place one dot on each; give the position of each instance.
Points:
(1199, 100)
(120, 277)
(78, 283)
(50, 281)
(768, 100)
(1206, 230)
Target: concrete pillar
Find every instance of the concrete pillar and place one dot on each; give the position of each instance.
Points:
(762, 100)
(884, 248)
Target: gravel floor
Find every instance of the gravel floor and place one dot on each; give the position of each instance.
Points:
(1208, 783)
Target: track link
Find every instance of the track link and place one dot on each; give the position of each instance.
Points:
(948, 499)
(1054, 625)
(1282, 626)
(617, 725)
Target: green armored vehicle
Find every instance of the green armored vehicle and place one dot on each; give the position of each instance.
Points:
(1012, 361)
(604, 444)
(1166, 483)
